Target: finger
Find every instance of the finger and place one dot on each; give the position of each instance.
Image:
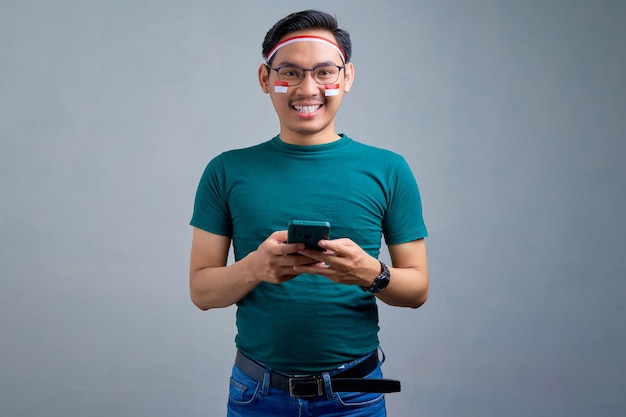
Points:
(288, 275)
(336, 247)
(279, 236)
(313, 254)
(330, 252)
(314, 268)
(335, 255)
(291, 248)
(296, 260)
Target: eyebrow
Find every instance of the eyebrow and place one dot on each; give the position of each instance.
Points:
(293, 64)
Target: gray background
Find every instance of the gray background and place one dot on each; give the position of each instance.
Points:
(512, 115)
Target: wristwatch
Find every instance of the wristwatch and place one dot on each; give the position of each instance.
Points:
(381, 281)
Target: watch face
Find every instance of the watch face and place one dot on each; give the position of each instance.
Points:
(382, 280)
(382, 284)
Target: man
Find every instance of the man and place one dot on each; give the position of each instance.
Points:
(307, 319)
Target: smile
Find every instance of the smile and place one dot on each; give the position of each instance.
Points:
(307, 109)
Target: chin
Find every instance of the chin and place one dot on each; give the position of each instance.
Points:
(308, 130)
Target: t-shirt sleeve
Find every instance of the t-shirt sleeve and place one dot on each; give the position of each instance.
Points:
(211, 212)
(403, 221)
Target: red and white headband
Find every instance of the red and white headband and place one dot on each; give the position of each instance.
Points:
(304, 38)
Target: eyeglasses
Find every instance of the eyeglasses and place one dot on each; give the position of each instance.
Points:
(322, 74)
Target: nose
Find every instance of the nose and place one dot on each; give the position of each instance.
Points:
(309, 86)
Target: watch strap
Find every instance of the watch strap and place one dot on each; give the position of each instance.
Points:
(381, 281)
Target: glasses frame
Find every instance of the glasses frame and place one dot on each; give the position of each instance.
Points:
(304, 70)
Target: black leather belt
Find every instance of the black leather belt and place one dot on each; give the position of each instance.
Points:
(349, 380)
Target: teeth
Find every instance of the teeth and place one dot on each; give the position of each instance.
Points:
(306, 109)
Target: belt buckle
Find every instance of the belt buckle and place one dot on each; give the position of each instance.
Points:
(317, 381)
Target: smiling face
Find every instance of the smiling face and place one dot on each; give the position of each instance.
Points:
(306, 115)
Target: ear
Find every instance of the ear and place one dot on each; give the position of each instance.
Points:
(348, 77)
(264, 78)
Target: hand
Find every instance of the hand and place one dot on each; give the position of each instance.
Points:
(343, 261)
(274, 260)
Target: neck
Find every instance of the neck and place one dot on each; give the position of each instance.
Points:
(308, 140)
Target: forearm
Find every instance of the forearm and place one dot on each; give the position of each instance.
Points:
(408, 287)
(213, 284)
(344, 262)
(223, 286)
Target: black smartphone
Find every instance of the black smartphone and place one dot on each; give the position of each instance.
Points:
(308, 232)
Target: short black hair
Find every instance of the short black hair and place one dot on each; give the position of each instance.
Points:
(303, 20)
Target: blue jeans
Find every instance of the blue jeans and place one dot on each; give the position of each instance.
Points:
(249, 398)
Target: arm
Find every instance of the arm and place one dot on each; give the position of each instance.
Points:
(212, 284)
(408, 286)
(345, 262)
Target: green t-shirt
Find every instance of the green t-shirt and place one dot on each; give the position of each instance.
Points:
(309, 323)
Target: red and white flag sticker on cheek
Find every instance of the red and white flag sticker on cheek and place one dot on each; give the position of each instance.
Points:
(280, 86)
(331, 90)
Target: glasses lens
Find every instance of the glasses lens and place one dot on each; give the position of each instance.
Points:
(326, 74)
(290, 75)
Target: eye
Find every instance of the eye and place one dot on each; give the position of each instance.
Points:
(289, 73)
(326, 73)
